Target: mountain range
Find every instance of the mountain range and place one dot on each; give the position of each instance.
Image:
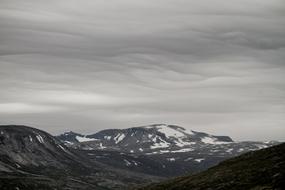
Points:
(32, 159)
(110, 159)
(160, 149)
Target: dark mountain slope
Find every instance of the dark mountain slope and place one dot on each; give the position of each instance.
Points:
(27, 148)
(31, 159)
(257, 170)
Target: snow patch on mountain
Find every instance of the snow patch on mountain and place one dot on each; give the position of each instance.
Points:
(212, 140)
(127, 162)
(119, 138)
(84, 139)
(171, 159)
(68, 143)
(260, 146)
(169, 132)
(107, 137)
(40, 139)
(181, 143)
(101, 146)
(183, 150)
(159, 143)
(199, 160)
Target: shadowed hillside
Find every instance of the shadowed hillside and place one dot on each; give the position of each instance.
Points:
(262, 169)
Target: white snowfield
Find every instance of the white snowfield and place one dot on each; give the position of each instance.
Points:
(179, 136)
(84, 139)
(159, 143)
(170, 132)
(181, 143)
(213, 140)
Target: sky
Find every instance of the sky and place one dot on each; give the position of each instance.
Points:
(216, 66)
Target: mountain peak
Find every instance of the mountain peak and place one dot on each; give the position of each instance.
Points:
(143, 139)
(169, 130)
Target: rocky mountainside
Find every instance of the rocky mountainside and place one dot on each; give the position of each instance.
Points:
(160, 149)
(257, 170)
(28, 148)
(33, 159)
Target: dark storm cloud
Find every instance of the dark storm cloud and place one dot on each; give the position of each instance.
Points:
(216, 65)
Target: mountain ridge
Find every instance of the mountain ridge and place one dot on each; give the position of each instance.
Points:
(154, 136)
(158, 149)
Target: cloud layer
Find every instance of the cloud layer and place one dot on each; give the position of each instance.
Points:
(215, 66)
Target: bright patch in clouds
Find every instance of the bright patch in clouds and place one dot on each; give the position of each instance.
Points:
(16, 108)
(86, 98)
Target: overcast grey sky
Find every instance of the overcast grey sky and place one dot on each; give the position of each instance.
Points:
(208, 65)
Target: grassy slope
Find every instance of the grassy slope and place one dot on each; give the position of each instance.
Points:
(262, 169)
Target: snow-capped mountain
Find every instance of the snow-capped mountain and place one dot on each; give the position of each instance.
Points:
(145, 139)
(159, 149)
(157, 138)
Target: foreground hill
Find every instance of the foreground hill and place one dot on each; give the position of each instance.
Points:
(160, 149)
(257, 170)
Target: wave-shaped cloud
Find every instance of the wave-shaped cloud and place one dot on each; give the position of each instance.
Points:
(213, 65)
